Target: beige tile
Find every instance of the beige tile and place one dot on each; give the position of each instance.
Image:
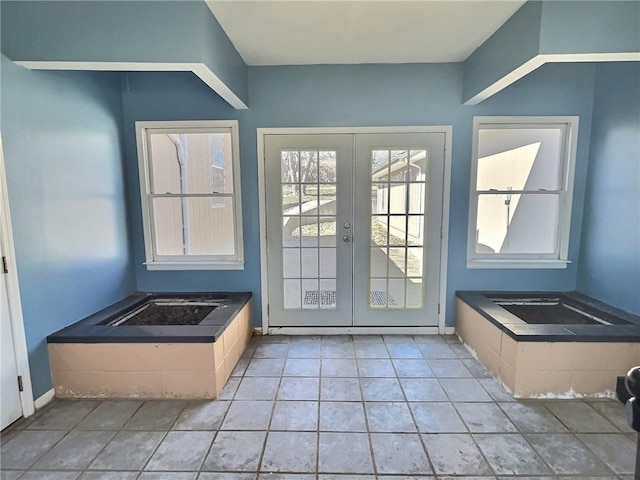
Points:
(134, 384)
(231, 337)
(235, 353)
(531, 383)
(218, 352)
(244, 326)
(188, 384)
(221, 379)
(66, 357)
(490, 334)
(230, 362)
(131, 357)
(591, 383)
(547, 356)
(489, 358)
(509, 350)
(604, 356)
(507, 376)
(79, 384)
(466, 319)
(184, 357)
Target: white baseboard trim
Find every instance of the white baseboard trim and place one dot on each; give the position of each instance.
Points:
(449, 330)
(44, 399)
(353, 331)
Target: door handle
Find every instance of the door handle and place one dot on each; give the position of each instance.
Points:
(346, 238)
(347, 225)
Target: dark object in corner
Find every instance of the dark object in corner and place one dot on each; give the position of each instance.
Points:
(632, 409)
(622, 394)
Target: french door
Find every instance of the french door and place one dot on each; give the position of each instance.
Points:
(353, 228)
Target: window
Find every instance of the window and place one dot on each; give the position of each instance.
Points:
(521, 191)
(190, 190)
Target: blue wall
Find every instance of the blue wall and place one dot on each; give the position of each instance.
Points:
(359, 95)
(610, 252)
(63, 153)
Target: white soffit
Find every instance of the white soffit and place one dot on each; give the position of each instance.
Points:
(276, 32)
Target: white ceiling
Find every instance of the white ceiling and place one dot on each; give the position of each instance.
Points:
(276, 32)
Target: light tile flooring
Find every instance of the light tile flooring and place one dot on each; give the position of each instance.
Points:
(330, 408)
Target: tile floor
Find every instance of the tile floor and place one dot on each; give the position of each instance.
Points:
(302, 408)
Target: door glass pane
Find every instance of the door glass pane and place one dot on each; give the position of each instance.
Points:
(417, 165)
(327, 172)
(398, 167)
(291, 291)
(328, 293)
(308, 231)
(517, 223)
(327, 199)
(379, 230)
(378, 258)
(327, 227)
(415, 231)
(414, 293)
(380, 166)
(415, 262)
(396, 292)
(396, 262)
(308, 166)
(328, 262)
(397, 198)
(290, 166)
(378, 293)
(397, 230)
(416, 197)
(309, 263)
(310, 294)
(290, 199)
(290, 231)
(308, 199)
(379, 198)
(291, 262)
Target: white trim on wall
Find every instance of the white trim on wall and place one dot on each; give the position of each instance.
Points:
(264, 288)
(444, 239)
(13, 293)
(44, 399)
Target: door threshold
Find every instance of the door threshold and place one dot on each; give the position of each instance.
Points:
(353, 331)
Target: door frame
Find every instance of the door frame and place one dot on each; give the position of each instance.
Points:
(264, 288)
(13, 296)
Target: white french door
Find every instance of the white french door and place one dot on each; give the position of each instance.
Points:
(10, 406)
(353, 228)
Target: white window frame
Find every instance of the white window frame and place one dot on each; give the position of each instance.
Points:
(559, 258)
(153, 261)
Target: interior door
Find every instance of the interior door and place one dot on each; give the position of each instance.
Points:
(309, 215)
(11, 408)
(354, 228)
(398, 212)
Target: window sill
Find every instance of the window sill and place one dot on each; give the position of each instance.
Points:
(494, 264)
(194, 265)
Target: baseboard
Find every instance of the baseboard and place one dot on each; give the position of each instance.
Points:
(449, 330)
(44, 399)
(353, 331)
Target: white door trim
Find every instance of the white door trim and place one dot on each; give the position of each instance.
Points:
(13, 294)
(262, 132)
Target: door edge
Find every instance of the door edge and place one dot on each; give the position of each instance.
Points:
(13, 296)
